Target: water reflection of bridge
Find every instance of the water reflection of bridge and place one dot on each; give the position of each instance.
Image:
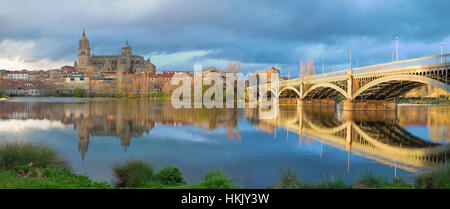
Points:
(374, 134)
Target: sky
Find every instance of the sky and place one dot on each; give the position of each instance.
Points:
(176, 34)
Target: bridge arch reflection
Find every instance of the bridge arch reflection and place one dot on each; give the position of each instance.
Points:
(375, 135)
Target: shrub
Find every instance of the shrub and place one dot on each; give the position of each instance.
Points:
(79, 92)
(371, 180)
(3, 94)
(29, 154)
(132, 173)
(290, 179)
(332, 183)
(216, 179)
(170, 176)
(437, 179)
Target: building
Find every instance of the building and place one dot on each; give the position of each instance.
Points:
(76, 80)
(16, 87)
(268, 75)
(125, 62)
(17, 75)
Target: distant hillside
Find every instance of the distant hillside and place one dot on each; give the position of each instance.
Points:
(427, 91)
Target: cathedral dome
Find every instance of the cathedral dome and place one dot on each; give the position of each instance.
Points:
(126, 46)
(126, 49)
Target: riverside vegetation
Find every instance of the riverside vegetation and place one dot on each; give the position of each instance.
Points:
(440, 101)
(83, 93)
(3, 94)
(35, 165)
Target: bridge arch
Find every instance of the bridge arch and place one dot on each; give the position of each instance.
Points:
(289, 88)
(319, 86)
(266, 91)
(400, 83)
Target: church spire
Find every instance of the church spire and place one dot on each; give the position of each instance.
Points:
(84, 32)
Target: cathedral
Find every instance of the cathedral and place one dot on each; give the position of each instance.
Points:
(126, 62)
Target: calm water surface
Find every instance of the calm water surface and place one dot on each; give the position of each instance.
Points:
(93, 134)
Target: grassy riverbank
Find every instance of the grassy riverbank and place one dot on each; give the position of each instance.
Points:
(437, 179)
(3, 94)
(31, 166)
(83, 93)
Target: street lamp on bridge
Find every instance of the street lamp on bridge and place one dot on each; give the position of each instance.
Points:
(397, 38)
(350, 59)
(323, 63)
(442, 51)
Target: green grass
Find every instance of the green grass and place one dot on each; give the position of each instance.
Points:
(370, 180)
(29, 165)
(397, 183)
(49, 178)
(14, 155)
(289, 179)
(332, 183)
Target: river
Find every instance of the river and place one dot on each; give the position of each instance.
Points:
(94, 134)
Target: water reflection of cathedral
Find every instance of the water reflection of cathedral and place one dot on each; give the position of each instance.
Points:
(123, 119)
(121, 129)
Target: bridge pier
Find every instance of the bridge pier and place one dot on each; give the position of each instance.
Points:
(316, 102)
(287, 100)
(356, 105)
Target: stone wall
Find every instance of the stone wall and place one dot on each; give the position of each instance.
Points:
(388, 105)
(317, 102)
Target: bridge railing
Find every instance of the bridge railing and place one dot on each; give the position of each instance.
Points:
(433, 60)
(326, 75)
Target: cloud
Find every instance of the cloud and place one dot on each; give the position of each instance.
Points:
(177, 58)
(257, 32)
(18, 55)
(20, 126)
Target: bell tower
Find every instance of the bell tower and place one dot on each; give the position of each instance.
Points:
(84, 52)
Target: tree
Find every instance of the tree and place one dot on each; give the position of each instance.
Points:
(90, 73)
(79, 92)
(310, 68)
(302, 69)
